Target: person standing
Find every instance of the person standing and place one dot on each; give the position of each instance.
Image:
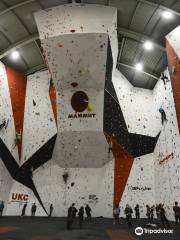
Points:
(88, 212)
(116, 213)
(152, 213)
(137, 211)
(157, 211)
(162, 214)
(128, 212)
(33, 210)
(50, 210)
(1, 208)
(81, 216)
(24, 210)
(148, 212)
(176, 210)
(71, 216)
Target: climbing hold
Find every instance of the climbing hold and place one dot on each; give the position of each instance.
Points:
(89, 107)
(72, 30)
(60, 45)
(34, 103)
(65, 177)
(74, 84)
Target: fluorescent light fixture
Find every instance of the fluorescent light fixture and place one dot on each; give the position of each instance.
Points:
(148, 45)
(167, 15)
(15, 55)
(139, 67)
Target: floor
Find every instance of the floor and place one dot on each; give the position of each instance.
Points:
(16, 228)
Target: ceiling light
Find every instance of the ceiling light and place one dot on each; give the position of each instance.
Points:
(167, 15)
(148, 45)
(15, 55)
(139, 67)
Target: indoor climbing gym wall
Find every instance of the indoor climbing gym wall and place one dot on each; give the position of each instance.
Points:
(7, 134)
(173, 53)
(167, 151)
(140, 135)
(74, 47)
(39, 136)
(57, 126)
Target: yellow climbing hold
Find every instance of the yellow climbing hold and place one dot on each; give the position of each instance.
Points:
(89, 107)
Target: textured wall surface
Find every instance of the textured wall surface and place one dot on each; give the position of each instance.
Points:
(167, 152)
(70, 115)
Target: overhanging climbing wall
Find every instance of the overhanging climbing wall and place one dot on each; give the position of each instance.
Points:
(173, 53)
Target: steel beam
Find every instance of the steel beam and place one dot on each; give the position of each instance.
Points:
(19, 44)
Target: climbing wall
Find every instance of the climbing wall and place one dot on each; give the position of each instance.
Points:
(135, 171)
(154, 177)
(92, 100)
(39, 119)
(38, 137)
(7, 133)
(68, 115)
(173, 53)
(74, 47)
(167, 151)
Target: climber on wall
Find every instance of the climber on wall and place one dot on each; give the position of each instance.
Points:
(71, 216)
(163, 115)
(110, 142)
(165, 79)
(3, 124)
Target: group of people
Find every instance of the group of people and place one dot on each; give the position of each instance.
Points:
(160, 212)
(72, 212)
(33, 210)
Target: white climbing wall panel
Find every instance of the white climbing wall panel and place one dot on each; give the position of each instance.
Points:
(39, 123)
(7, 135)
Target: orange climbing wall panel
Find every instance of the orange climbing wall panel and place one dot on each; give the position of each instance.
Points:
(174, 63)
(17, 88)
(52, 94)
(122, 168)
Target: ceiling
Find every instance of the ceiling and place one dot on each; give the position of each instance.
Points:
(138, 20)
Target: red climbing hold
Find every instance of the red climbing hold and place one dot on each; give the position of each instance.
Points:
(60, 45)
(72, 30)
(74, 84)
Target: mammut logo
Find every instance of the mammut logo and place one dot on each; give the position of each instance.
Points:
(82, 115)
